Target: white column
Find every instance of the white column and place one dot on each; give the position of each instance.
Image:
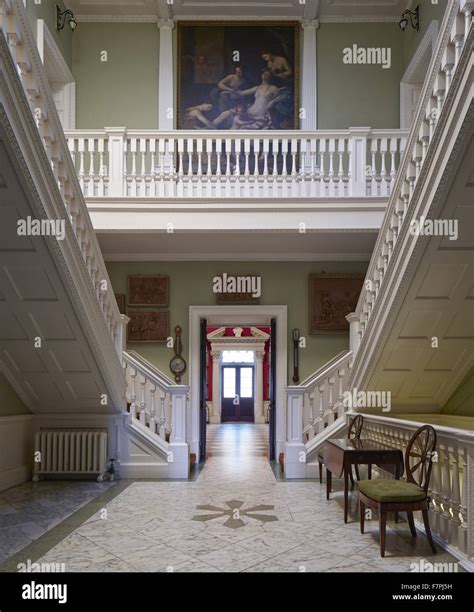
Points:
(166, 76)
(353, 320)
(216, 387)
(116, 171)
(295, 449)
(178, 455)
(309, 82)
(358, 145)
(259, 415)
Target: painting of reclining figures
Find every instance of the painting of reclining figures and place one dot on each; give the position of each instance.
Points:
(238, 76)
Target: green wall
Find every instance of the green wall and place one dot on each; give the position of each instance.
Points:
(352, 95)
(461, 403)
(412, 38)
(282, 283)
(123, 91)
(46, 10)
(10, 403)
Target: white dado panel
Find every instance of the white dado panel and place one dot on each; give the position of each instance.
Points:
(16, 450)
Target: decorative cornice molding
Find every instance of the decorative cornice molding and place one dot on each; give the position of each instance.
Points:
(116, 18)
(359, 19)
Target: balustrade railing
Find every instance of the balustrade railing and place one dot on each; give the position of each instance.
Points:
(116, 162)
(313, 406)
(159, 406)
(451, 511)
(455, 35)
(20, 42)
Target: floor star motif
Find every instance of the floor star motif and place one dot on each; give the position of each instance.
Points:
(235, 512)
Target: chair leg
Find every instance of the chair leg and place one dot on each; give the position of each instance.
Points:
(411, 522)
(357, 471)
(396, 517)
(426, 522)
(362, 515)
(383, 526)
(320, 472)
(351, 476)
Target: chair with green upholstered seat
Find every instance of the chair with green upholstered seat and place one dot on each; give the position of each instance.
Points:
(353, 433)
(390, 495)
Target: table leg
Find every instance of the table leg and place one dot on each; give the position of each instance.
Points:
(369, 471)
(328, 483)
(346, 493)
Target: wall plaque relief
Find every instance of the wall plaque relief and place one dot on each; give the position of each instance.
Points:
(148, 290)
(331, 298)
(239, 289)
(148, 326)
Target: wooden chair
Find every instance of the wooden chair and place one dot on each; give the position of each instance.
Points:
(390, 495)
(354, 431)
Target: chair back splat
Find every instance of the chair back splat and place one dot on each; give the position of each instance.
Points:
(419, 456)
(355, 428)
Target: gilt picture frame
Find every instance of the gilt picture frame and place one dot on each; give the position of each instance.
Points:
(222, 64)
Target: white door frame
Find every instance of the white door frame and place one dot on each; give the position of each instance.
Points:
(248, 315)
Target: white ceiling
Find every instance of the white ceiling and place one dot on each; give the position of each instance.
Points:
(325, 10)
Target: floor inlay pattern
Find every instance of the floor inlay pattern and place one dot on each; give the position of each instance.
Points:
(151, 526)
(235, 512)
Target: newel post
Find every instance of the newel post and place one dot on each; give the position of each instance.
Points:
(121, 342)
(295, 449)
(116, 138)
(358, 146)
(178, 456)
(354, 339)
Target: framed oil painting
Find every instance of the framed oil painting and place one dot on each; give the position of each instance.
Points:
(148, 290)
(331, 298)
(238, 75)
(148, 326)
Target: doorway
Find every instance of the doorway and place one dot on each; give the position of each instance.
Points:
(202, 362)
(238, 393)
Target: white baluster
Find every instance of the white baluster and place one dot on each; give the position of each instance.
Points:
(152, 424)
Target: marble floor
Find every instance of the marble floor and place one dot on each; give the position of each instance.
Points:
(31, 509)
(234, 517)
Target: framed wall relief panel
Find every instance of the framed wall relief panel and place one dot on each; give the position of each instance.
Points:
(148, 326)
(236, 298)
(331, 298)
(148, 290)
(238, 75)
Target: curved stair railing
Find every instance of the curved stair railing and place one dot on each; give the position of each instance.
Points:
(157, 408)
(315, 408)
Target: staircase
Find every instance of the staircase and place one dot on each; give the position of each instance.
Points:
(417, 287)
(61, 333)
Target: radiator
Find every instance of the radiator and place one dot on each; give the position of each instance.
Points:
(70, 452)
